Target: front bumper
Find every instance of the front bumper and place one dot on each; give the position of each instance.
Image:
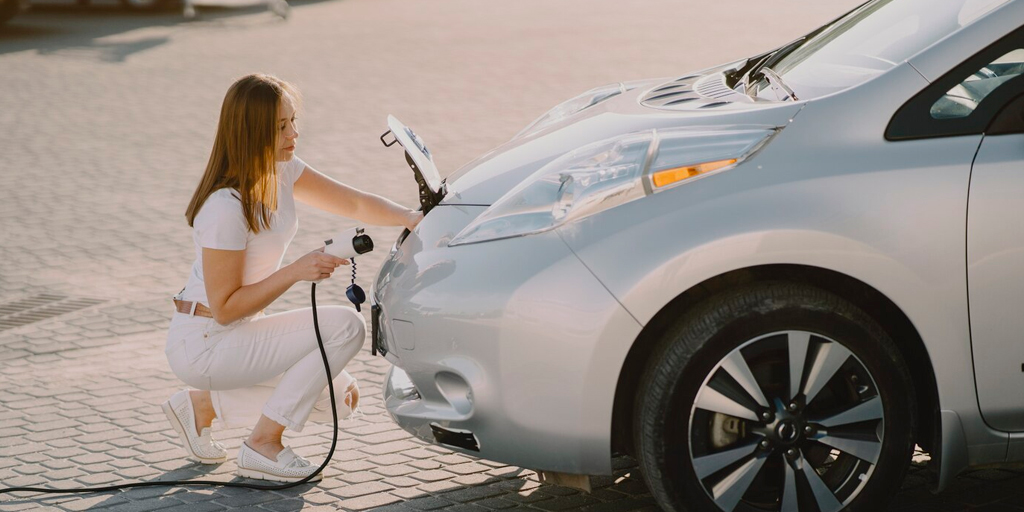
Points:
(498, 346)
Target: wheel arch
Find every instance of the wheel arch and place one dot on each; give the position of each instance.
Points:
(867, 298)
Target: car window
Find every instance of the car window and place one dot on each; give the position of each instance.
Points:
(872, 39)
(969, 98)
(963, 99)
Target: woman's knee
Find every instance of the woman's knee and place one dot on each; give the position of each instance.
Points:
(346, 325)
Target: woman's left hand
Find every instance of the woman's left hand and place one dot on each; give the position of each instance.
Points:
(412, 219)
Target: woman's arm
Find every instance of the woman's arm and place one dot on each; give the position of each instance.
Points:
(320, 191)
(229, 300)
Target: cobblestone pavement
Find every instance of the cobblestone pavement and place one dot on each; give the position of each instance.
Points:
(107, 118)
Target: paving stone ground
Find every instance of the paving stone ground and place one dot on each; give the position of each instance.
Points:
(107, 117)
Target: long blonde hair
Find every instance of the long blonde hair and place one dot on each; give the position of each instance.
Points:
(243, 156)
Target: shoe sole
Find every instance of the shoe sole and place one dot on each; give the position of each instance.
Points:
(259, 475)
(173, 419)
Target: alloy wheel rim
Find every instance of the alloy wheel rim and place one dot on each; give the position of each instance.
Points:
(785, 420)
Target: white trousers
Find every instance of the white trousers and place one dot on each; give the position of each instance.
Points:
(267, 364)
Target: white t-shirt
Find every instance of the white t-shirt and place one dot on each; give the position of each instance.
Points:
(220, 224)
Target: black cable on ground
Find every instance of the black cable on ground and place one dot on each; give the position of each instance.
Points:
(182, 483)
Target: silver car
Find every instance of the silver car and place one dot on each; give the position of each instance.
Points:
(766, 280)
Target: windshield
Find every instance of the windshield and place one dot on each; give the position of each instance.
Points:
(867, 42)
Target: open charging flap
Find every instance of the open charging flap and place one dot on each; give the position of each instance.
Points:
(432, 188)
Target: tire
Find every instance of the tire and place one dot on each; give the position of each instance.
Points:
(8, 10)
(699, 413)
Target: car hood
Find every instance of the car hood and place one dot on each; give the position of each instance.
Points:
(706, 103)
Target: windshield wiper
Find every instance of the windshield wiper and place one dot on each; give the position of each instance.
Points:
(770, 59)
(750, 70)
(775, 81)
(775, 55)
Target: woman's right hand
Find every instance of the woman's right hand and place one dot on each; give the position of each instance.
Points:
(316, 265)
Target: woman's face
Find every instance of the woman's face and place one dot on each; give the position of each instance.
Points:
(286, 130)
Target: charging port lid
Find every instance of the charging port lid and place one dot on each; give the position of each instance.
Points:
(419, 159)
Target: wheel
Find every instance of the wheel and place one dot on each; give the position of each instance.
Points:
(9, 9)
(775, 397)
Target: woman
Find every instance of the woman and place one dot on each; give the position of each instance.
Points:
(248, 366)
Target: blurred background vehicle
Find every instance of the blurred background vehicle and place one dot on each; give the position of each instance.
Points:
(11, 8)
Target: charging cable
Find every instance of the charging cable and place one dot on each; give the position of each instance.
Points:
(181, 483)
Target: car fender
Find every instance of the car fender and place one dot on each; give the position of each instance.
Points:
(827, 192)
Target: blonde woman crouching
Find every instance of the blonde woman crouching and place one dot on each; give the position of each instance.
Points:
(248, 367)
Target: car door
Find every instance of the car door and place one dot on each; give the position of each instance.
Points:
(984, 95)
(995, 271)
(995, 249)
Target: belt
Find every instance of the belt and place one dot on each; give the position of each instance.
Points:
(192, 308)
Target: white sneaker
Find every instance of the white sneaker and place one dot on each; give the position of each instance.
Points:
(289, 467)
(202, 447)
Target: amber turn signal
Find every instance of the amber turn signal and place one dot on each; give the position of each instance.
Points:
(670, 176)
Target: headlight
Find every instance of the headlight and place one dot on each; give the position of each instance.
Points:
(609, 173)
(573, 106)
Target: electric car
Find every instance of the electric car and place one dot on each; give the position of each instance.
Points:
(767, 280)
